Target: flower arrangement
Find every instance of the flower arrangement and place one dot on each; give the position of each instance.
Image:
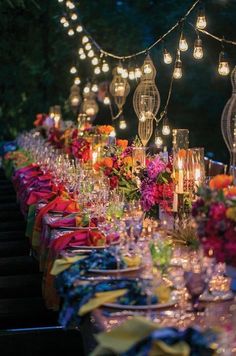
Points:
(117, 166)
(156, 186)
(215, 215)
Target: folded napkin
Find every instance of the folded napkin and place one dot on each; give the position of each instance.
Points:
(140, 336)
(101, 298)
(132, 261)
(70, 239)
(65, 221)
(64, 263)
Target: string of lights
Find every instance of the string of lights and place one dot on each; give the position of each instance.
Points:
(98, 56)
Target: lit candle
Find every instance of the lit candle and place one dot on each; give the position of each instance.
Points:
(175, 203)
(94, 157)
(197, 176)
(57, 120)
(180, 177)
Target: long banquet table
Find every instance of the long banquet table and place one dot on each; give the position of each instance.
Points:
(216, 314)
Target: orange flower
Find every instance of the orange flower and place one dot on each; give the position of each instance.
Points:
(128, 161)
(122, 143)
(220, 181)
(105, 129)
(108, 162)
(230, 192)
(97, 166)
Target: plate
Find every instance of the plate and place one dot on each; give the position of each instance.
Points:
(140, 307)
(112, 271)
(207, 297)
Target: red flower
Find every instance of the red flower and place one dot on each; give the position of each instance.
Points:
(114, 180)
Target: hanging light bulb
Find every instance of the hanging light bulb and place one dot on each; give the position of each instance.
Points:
(158, 140)
(183, 45)
(73, 70)
(74, 16)
(85, 39)
(119, 69)
(63, 20)
(167, 56)
(131, 74)
(88, 46)
(124, 73)
(79, 28)
(70, 5)
(90, 53)
(177, 74)
(223, 67)
(138, 73)
(86, 89)
(106, 100)
(105, 67)
(71, 32)
(122, 124)
(198, 50)
(60, 1)
(77, 81)
(165, 128)
(82, 56)
(94, 87)
(147, 69)
(66, 24)
(94, 61)
(201, 19)
(80, 50)
(97, 70)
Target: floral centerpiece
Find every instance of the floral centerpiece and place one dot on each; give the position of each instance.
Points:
(156, 186)
(117, 166)
(215, 215)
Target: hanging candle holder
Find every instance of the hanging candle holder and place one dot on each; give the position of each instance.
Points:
(146, 100)
(228, 125)
(74, 97)
(119, 89)
(90, 106)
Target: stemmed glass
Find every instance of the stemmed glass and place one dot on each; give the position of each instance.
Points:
(195, 280)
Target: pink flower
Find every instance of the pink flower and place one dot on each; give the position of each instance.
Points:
(155, 167)
(217, 211)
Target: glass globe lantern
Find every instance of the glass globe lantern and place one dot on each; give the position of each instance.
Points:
(90, 106)
(119, 89)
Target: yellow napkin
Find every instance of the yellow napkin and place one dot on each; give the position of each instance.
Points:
(163, 293)
(133, 261)
(132, 331)
(100, 299)
(62, 264)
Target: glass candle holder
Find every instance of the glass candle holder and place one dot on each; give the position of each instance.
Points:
(138, 157)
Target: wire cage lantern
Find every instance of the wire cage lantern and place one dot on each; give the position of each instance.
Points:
(90, 106)
(119, 89)
(228, 124)
(146, 98)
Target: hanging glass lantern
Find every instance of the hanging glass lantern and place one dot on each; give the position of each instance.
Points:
(228, 125)
(90, 106)
(119, 89)
(146, 100)
(74, 97)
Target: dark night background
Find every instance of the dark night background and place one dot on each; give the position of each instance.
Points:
(36, 55)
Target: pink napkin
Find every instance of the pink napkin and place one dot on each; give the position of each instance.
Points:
(75, 238)
(67, 221)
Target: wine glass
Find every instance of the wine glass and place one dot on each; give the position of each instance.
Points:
(195, 280)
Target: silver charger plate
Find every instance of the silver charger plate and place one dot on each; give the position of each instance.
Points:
(171, 303)
(207, 297)
(114, 271)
